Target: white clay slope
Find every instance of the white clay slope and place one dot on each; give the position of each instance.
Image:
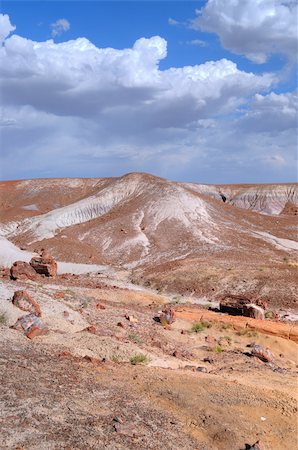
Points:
(162, 202)
(267, 199)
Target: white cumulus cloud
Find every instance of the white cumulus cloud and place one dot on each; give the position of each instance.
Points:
(75, 109)
(254, 28)
(5, 27)
(60, 26)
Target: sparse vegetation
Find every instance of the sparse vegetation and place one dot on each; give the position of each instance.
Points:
(139, 358)
(218, 349)
(246, 332)
(197, 327)
(3, 320)
(226, 338)
(268, 314)
(225, 326)
(116, 358)
(134, 337)
(176, 300)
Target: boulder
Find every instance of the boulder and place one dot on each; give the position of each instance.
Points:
(240, 305)
(44, 264)
(21, 270)
(233, 304)
(24, 301)
(32, 325)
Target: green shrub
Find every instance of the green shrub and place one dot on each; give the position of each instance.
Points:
(134, 337)
(139, 358)
(268, 314)
(197, 327)
(218, 349)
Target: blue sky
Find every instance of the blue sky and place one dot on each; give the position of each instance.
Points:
(205, 97)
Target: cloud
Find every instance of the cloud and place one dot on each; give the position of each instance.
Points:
(254, 28)
(74, 109)
(5, 27)
(198, 43)
(271, 113)
(172, 21)
(60, 26)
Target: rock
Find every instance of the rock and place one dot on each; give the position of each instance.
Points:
(182, 354)
(255, 446)
(24, 301)
(100, 306)
(20, 270)
(59, 294)
(120, 324)
(125, 429)
(264, 354)
(91, 329)
(44, 264)
(189, 367)
(210, 339)
(202, 369)
(209, 359)
(240, 305)
(32, 326)
(131, 319)
(167, 316)
(254, 311)
(233, 304)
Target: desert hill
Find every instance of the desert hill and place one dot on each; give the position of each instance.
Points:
(190, 238)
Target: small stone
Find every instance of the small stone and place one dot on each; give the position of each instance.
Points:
(202, 369)
(189, 367)
(59, 294)
(209, 359)
(100, 306)
(91, 329)
(131, 319)
(210, 339)
(24, 301)
(120, 324)
(264, 354)
(32, 326)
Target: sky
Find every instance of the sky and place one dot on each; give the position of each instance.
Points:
(202, 91)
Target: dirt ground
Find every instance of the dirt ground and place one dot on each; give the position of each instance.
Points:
(76, 387)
